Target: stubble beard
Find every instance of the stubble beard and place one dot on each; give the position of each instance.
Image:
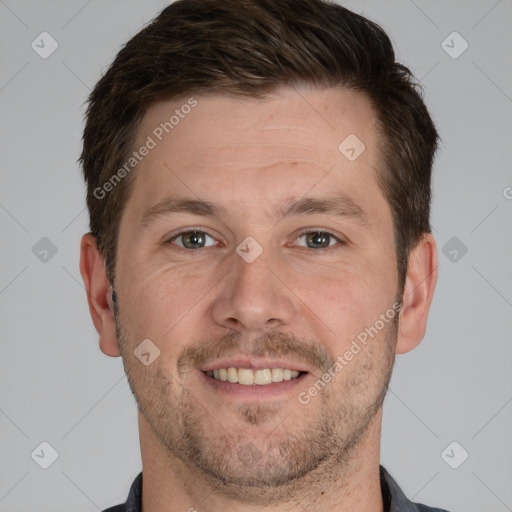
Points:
(296, 449)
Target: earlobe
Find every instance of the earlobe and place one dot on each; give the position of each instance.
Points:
(99, 295)
(418, 293)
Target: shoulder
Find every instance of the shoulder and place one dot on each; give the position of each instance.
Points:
(394, 498)
(134, 502)
(117, 508)
(424, 508)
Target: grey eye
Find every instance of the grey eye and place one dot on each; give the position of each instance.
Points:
(192, 239)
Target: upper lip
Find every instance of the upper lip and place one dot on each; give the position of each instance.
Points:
(255, 364)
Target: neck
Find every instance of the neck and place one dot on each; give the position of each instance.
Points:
(171, 485)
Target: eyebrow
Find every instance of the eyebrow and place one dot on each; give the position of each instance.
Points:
(340, 206)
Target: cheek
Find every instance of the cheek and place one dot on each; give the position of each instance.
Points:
(346, 301)
(163, 304)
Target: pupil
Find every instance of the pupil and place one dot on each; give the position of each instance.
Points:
(195, 238)
(319, 239)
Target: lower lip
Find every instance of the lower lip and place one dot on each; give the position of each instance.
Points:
(257, 391)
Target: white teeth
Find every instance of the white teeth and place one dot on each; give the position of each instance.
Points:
(232, 375)
(248, 377)
(245, 376)
(277, 374)
(262, 377)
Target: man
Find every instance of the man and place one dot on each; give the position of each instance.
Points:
(258, 179)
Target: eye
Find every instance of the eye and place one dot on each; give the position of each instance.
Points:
(197, 239)
(319, 239)
(193, 239)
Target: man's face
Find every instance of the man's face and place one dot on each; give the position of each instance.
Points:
(322, 278)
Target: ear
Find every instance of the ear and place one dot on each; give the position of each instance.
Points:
(418, 292)
(99, 295)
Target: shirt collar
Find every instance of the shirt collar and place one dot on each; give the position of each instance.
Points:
(134, 501)
(393, 497)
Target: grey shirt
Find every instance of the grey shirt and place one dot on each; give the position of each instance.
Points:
(393, 497)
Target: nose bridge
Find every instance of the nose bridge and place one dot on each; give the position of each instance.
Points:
(253, 298)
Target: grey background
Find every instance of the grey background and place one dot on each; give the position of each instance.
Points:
(56, 385)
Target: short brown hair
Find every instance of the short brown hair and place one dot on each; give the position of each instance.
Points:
(250, 48)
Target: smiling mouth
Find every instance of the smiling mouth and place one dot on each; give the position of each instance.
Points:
(249, 377)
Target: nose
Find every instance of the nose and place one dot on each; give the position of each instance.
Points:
(253, 296)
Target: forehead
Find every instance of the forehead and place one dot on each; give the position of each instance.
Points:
(235, 148)
(311, 122)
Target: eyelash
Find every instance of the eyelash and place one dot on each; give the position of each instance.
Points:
(340, 244)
